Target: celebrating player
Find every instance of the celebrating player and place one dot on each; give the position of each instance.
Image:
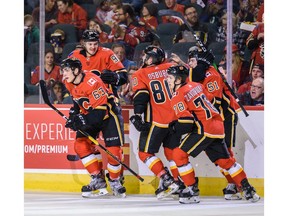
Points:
(202, 128)
(152, 97)
(92, 113)
(104, 63)
(225, 103)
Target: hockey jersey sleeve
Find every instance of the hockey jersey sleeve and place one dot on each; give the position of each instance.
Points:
(141, 96)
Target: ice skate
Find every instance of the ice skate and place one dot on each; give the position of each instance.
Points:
(182, 186)
(117, 188)
(249, 191)
(166, 186)
(231, 192)
(190, 194)
(96, 188)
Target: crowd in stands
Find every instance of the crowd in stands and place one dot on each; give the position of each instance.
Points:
(128, 26)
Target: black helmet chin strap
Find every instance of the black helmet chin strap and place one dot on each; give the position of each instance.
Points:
(75, 76)
(181, 84)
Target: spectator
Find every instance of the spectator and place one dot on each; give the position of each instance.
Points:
(173, 5)
(119, 50)
(255, 43)
(125, 92)
(256, 93)
(51, 13)
(31, 33)
(239, 36)
(213, 11)
(57, 40)
(201, 30)
(120, 34)
(112, 15)
(128, 18)
(59, 94)
(93, 24)
(102, 11)
(129, 31)
(248, 10)
(148, 18)
(52, 71)
(240, 68)
(136, 4)
(72, 13)
(257, 71)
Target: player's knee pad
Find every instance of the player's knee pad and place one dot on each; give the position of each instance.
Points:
(144, 156)
(168, 153)
(225, 163)
(117, 151)
(82, 147)
(180, 157)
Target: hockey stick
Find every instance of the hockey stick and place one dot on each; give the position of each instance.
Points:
(46, 100)
(169, 12)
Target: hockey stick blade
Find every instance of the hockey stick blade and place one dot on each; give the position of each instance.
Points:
(71, 157)
(46, 100)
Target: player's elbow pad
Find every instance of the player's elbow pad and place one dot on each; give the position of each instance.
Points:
(140, 103)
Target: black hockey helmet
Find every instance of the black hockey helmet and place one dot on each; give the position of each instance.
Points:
(90, 35)
(179, 71)
(71, 63)
(157, 54)
(193, 52)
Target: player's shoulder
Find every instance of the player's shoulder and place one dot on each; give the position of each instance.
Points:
(167, 64)
(104, 50)
(91, 79)
(75, 53)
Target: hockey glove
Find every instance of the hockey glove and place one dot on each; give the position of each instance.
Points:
(77, 122)
(206, 58)
(138, 123)
(110, 77)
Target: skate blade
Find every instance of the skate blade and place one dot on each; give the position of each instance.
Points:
(255, 198)
(184, 200)
(95, 194)
(123, 195)
(236, 196)
(171, 189)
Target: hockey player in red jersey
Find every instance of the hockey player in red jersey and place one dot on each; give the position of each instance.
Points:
(225, 103)
(152, 98)
(201, 127)
(104, 63)
(92, 113)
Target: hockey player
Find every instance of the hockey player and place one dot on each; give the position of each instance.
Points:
(152, 98)
(201, 126)
(225, 103)
(104, 63)
(92, 113)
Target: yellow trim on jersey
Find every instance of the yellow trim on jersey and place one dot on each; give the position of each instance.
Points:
(101, 107)
(195, 146)
(148, 138)
(160, 125)
(191, 121)
(141, 91)
(220, 136)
